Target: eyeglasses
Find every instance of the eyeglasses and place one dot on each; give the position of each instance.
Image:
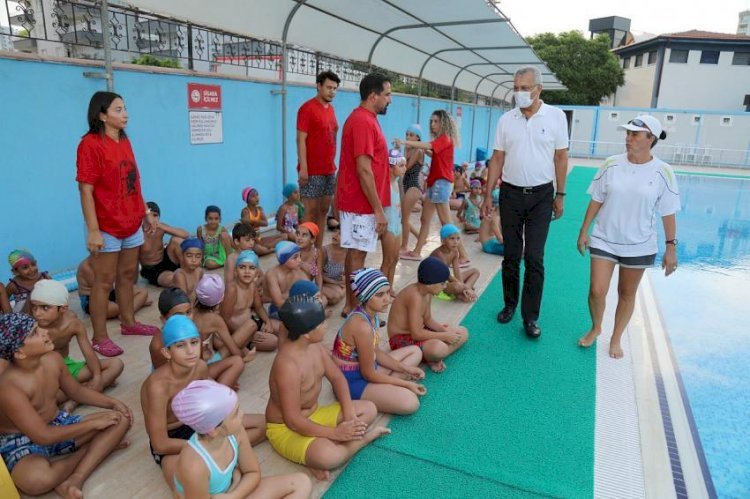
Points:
(639, 123)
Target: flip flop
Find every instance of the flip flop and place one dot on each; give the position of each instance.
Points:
(410, 255)
(445, 296)
(107, 347)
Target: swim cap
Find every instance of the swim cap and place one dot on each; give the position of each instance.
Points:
(289, 189)
(50, 292)
(14, 328)
(170, 298)
(247, 256)
(303, 287)
(191, 242)
(285, 250)
(312, 227)
(366, 282)
(248, 192)
(415, 129)
(210, 290)
(301, 314)
(19, 257)
(432, 270)
(154, 207)
(448, 230)
(178, 328)
(204, 404)
(475, 183)
(395, 156)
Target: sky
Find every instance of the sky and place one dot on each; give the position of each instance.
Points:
(531, 17)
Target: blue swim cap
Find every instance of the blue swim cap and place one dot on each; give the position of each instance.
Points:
(415, 129)
(285, 250)
(303, 287)
(178, 328)
(448, 230)
(247, 256)
(289, 188)
(191, 242)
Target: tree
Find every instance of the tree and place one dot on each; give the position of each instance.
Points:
(149, 60)
(586, 67)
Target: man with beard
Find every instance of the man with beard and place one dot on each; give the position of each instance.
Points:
(316, 150)
(363, 188)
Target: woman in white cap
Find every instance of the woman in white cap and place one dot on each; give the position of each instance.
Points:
(626, 194)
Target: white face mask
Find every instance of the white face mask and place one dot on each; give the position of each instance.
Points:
(523, 99)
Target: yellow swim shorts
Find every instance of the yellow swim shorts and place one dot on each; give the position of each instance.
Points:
(291, 444)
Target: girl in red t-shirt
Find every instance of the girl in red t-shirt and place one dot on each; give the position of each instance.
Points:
(445, 138)
(115, 216)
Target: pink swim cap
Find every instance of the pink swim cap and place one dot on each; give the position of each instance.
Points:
(210, 290)
(204, 404)
(248, 192)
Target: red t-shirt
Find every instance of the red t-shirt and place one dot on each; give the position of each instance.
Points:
(110, 167)
(442, 160)
(320, 125)
(362, 136)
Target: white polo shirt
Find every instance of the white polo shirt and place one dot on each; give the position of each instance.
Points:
(530, 145)
(632, 196)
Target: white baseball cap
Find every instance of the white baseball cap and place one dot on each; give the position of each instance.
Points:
(645, 123)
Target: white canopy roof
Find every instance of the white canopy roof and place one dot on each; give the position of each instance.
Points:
(466, 43)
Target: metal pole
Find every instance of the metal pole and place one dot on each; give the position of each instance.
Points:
(106, 41)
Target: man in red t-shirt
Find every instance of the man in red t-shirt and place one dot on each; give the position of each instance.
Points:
(316, 151)
(363, 187)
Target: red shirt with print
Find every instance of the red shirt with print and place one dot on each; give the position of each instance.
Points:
(110, 167)
(442, 160)
(320, 125)
(362, 136)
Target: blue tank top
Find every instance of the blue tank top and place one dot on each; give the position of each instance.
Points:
(219, 481)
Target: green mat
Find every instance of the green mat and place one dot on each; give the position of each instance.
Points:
(510, 417)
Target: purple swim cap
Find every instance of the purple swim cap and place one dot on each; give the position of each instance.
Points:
(210, 290)
(204, 404)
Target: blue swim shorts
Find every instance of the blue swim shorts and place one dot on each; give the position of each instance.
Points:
(493, 246)
(16, 446)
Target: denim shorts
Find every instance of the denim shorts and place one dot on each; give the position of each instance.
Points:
(440, 192)
(113, 244)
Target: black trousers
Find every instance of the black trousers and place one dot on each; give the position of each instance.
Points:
(525, 214)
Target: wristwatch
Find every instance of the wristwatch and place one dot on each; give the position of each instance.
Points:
(673, 242)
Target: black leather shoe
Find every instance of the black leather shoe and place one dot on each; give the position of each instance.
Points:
(505, 315)
(532, 329)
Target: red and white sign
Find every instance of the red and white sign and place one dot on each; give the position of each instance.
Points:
(204, 96)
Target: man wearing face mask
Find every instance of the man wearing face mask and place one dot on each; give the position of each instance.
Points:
(531, 157)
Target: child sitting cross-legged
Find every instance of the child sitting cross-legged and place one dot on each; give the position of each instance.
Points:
(254, 215)
(244, 237)
(461, 283)
(217, 244)
(490, 236)
(25, 275)
(242, 298)
(190, 272)
(279, 279)
(288, 215)
(321, 438)
(333, 268)
(85, 279)
(218, 460)
(410, 321)
(310, 255)
(33, 430)
(470, 211)
(49, 306)
(382, 377)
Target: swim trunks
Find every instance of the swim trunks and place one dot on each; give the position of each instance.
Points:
(183, 432)
(403, 340)
(74, 366)
(16, 446)
(291, 444)
(85, 299)
(152, 272)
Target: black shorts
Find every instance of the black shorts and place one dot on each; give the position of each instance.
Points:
(183, 432)
(152, 272)
(629, 262)
(85, 300)
(318, 186)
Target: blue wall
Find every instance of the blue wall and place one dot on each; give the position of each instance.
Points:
(44, 117)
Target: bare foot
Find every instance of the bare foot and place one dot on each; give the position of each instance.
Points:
(69, 490)
(123, 445)
(249, 355)
(322, 475)
(437, 367)
(615, 350)
(69, 406)
(588, 339)
(376, 433)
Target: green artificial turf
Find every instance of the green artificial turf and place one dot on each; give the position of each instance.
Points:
(510, 417)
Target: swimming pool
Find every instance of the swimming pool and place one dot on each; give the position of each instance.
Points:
(705, 308)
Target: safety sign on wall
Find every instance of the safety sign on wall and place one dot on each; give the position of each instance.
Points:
(204, 114)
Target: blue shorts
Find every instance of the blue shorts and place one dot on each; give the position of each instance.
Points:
(113, 244)
(493, 246)
(357, 383)
(440, 192)
(16, 446)
(216, 357)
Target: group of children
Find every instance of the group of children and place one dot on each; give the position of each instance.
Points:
(213, 326)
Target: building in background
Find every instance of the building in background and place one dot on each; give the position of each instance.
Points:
(743, 26)
(688, 70)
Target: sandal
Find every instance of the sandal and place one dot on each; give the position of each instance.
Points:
(410, 255)
(107, 347)
(138, 329)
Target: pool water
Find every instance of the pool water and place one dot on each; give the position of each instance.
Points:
(705, 306)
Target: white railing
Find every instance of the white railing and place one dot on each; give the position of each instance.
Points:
(680, 154)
